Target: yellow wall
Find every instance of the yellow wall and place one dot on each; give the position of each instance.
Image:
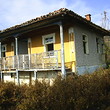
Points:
(9, 51)
(38, 47)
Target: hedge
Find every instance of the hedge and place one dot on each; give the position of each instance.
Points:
(78, 92)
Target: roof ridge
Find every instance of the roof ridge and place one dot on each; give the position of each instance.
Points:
(56, 12)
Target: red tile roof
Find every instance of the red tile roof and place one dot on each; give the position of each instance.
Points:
(52, 14)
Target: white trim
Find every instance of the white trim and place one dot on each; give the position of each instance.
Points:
(47, 36)
(29, 40)
(71, 44)
(71, 30)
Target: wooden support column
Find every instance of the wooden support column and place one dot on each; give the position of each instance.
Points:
(16, 45)
(17, 77)
(62, 51)
(35, 75)
(1, 76)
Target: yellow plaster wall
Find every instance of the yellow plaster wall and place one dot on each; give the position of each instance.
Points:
(8, 51)
(38, 47)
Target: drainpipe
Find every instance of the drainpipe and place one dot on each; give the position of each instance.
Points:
(62, 51)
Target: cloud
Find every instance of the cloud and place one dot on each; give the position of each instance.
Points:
(14, 12)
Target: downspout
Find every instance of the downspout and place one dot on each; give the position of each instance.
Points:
(62, 51)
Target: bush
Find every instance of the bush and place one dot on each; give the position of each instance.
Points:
(84, 92)
(10, 95)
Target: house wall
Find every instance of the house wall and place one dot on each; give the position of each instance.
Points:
(87, 62)
(9, 52)
(38, 47)
(28, 77)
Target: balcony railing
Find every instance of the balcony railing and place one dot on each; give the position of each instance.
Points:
(45, 60)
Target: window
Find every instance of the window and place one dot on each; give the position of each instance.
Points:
(85, 44)
(49, 47)
(48, 42)
(98, 45)
(4, 50)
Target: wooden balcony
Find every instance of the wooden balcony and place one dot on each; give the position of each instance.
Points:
(45, 60)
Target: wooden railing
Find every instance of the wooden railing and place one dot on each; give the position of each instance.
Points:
(45, 60)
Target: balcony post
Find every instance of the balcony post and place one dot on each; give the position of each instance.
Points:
(1, 75)
(62, 51)
(16, 45)
(17, 77)
(35, 75)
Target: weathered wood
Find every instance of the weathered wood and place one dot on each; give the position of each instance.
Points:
(31, 61)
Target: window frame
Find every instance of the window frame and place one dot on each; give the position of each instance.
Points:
(98, 45)
(48, 36)
(86, 51)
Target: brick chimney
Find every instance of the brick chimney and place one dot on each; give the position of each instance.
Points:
(88, 17)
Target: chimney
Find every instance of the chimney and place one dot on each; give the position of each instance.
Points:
(88, 17)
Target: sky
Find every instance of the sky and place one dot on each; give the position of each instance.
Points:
(13, 12)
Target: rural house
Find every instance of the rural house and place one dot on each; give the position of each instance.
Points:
(60, 42)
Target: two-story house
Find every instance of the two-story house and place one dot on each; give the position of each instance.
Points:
(61, 42)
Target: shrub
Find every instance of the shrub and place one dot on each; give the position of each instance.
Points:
(83, 92)
(10, 95)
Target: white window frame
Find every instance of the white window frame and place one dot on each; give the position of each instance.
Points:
(86, 41)
(48, 36)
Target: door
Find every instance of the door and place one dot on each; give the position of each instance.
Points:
(23, 46)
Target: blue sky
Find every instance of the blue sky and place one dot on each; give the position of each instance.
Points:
(13, 12)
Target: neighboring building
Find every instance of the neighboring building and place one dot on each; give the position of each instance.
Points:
(60, 42)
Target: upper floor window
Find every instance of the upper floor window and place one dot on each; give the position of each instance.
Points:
(48, 42)
(85, 44)
(4, 50)
(98, 45)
